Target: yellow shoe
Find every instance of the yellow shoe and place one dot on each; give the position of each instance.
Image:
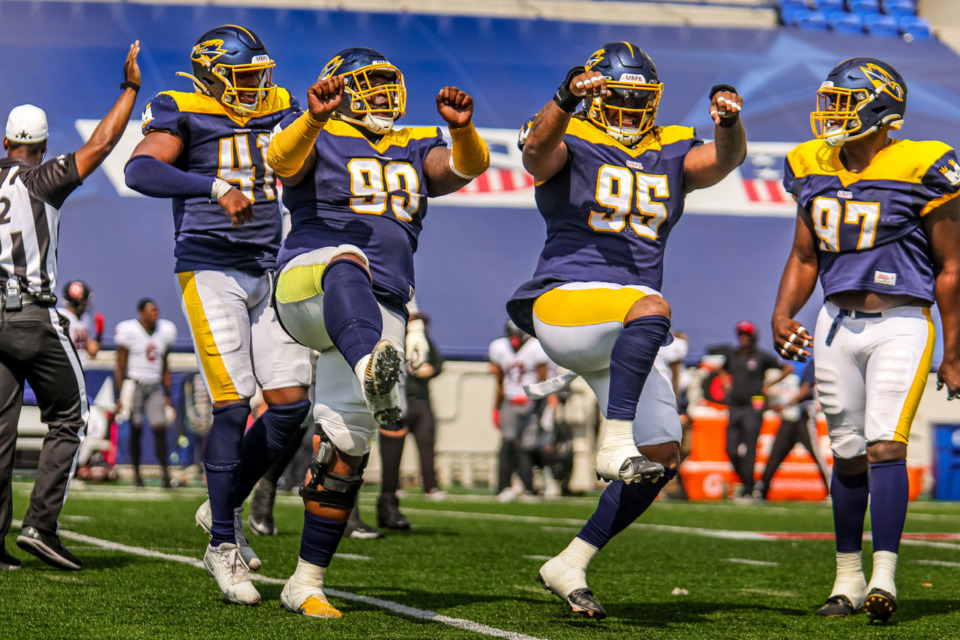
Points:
(307, 600)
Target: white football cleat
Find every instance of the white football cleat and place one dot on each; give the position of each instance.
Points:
(308, 600)
(228, 569)
(379, 374)
(539, 390)
(619, 459)
(204, 519)
(570, 585)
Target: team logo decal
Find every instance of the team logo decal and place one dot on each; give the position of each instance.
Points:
(209, 50)
(951, 173)
(882, 80)
(331, 67)
(595, 59)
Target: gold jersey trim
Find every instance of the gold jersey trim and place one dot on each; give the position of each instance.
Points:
(655, 139)
(901, 161)
(276, 100)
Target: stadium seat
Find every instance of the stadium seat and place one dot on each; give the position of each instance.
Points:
(826, 6)
(881, 26)
(809, 20)
(899, 7)
(843, 22)
(863, 6)
(914, 28)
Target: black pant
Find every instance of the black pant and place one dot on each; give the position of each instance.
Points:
(422, 426)
(35, 346)
(743, 430)
(790, 433)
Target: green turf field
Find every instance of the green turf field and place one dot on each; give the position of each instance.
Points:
(467, 570)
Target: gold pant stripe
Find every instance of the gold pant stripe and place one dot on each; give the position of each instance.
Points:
(912, 402)
(300, 283)
(577, 307)
(215, 371)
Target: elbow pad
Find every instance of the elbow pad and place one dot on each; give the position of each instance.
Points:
(290, 147)
(469, 156)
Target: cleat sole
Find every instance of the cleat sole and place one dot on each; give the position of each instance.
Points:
(880, 606)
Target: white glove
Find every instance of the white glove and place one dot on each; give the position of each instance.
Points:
(417, 348)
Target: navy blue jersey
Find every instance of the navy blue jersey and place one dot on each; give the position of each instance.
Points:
(373, 196)
(219, 143)
(870, 224)
(608, 212)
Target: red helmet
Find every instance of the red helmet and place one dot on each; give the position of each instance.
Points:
(746, 327)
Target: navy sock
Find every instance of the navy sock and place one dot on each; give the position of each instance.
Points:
(320, 538)
(889, 494)
(633, 355)
(620, 504)
(221, 459)
(849, 495)
(351, 314)
(265, 441)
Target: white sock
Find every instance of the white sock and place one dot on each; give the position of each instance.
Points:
(884, 572)
(850, 581)
(578, 554)
(308, 573)
(361, 369)
(617, 434)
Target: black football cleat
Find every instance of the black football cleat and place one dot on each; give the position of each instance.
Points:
(880, 606)
(47, 547)
(360, 530)
(7, 561)
(389, 515)
(580, 601)
(837, 607)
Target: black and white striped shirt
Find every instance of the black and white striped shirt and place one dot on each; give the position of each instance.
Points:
(30, 201)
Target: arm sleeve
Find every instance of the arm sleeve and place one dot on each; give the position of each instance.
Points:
(53, 180)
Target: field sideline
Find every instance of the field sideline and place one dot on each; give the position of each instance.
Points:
(467, 570)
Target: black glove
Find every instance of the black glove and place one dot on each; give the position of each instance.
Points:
(728, 121)
(564, 97)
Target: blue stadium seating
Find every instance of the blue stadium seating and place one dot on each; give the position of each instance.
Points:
(881, 26)
(809, 20)
(827, 6)
(843, 22)
(863, 6)
(899, 7)
(914, 28)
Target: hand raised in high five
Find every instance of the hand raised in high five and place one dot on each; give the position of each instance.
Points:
(131, 70)
(324, 96)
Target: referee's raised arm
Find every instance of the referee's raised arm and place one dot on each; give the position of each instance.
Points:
(111, 128)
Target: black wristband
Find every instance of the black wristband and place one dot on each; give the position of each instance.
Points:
(717, 88)
(132, 85)
(564, 97)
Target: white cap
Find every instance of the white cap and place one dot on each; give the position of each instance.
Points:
(27, 124)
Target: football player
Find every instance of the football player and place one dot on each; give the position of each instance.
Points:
(610, 186)
(357, 190)
(879, 222)
(205, 150)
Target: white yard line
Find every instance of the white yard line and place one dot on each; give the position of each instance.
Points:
(939, 563)
(421, 614)
(752, 563)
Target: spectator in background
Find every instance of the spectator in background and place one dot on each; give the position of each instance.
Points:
(142, 347)
(517, 359)
(675, 355)
(76, 296)
(746, 398)
(419, 418)
(798, 424)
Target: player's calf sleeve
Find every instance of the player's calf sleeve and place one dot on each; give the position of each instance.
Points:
(631, 361)
(620, 504)
(351, 314)
(266, 441)
(391, 450)
(320, 539)
(221, 459)
(849, 494)
(469, 156)
(889, 494)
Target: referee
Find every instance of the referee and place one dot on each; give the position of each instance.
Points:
(34, 343)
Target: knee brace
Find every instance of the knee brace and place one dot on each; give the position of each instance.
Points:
(338, 491)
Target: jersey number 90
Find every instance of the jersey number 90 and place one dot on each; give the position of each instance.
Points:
(618, 188)
(376, 186)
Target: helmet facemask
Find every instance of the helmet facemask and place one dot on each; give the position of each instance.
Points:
(629, 112)
(374, 97)
(837, 118)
